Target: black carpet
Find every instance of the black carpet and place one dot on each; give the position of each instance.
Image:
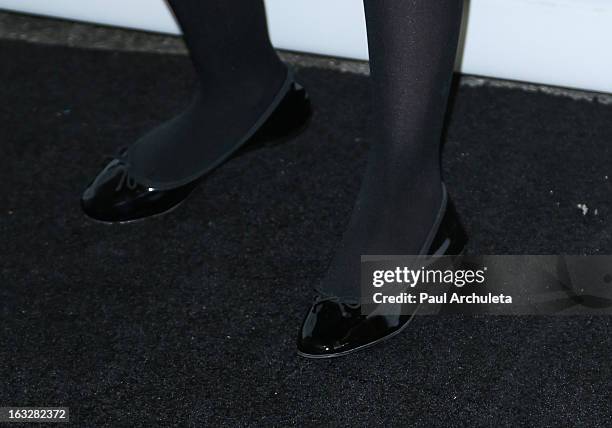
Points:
(191, 318)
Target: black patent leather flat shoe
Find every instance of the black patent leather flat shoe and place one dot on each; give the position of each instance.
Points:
(335, 326)
(115, 196)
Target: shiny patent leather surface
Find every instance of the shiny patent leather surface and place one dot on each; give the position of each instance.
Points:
(333, 327)
(114, 196)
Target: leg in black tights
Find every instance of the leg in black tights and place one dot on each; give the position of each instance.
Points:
(412, 52)
(239, 74)
(245, 94)
(413, 45)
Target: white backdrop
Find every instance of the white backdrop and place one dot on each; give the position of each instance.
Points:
(556, 42)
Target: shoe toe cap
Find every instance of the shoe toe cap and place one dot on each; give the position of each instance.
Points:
(326, 329)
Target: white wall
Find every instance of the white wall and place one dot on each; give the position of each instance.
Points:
(556, 42)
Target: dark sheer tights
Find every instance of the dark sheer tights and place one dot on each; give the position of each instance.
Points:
(413, 45)
(240, 76)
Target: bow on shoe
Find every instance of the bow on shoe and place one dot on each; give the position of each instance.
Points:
(324, 297)
(123, 167)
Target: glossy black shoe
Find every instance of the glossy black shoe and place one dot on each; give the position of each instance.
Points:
(115, 196)
(334, 326)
